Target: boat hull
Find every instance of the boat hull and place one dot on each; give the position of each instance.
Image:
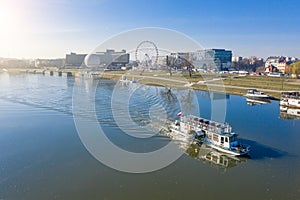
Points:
(228, 151)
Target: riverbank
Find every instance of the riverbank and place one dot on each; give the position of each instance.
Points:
(230, 84)
(213, 82)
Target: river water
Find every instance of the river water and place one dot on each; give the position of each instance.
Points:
(43, 157)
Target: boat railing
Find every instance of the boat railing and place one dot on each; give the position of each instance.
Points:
(209, 125)
(291, 96)
(294, 95)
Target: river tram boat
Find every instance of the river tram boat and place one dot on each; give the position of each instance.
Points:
(215, 135)
(254, 93)
(290, 99)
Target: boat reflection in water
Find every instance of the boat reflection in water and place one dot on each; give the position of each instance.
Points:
(257, 101)
(213, 157)
(202, 152)
(289, 113)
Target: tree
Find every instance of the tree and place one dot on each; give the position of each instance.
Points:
(170, 64)
(295, 69)
(186, 63)
(248, 64)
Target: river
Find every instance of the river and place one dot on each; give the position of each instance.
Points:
(43, 157)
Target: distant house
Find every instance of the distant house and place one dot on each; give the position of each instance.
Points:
(271, 64)
(278, 64)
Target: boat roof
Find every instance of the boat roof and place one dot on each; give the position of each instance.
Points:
(229, 134)
(213, 126)
(254, 89)
(207, 121)
(288, 92)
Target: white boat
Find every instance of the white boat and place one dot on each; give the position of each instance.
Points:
(216, 135)
(254, 93)
(290, 99)
(127, 81)
(177, 132)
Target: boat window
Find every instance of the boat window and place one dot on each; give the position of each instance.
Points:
(215, 138)
(226, 139)
(222, 139)
(209, 136)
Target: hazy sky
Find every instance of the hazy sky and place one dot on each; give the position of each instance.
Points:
(52, 28)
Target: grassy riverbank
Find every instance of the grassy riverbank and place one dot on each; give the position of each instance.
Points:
(224, 83)
(231, 84)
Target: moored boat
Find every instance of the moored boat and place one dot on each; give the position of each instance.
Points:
(254, 93)
(216, 135)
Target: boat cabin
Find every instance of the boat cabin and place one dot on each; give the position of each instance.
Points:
(189, 123)
(254, 91)
(224, 140)
(217, 135)
(290, 94)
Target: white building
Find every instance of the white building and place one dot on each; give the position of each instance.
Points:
(237, 58)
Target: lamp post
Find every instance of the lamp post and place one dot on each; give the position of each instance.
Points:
(282, 81)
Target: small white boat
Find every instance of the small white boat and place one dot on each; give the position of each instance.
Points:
(125, 80)
(290, 99)
(216, 135)
(254, 93)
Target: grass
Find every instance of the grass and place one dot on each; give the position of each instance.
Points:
(277, 84)
(178, 80)
(274, 83)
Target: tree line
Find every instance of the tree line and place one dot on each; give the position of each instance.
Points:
(248, 64)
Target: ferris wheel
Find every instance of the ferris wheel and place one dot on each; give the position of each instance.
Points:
(146, 54)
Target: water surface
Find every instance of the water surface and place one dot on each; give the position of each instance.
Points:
(42, 156)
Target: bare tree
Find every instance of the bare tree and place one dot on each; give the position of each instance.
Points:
(171, 64)
(185, 63)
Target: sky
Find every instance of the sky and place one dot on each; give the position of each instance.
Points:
(52, 28)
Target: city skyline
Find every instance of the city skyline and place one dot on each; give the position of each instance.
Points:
(50, 29)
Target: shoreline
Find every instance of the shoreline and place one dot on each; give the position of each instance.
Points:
(225, 84)
(204, 86)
